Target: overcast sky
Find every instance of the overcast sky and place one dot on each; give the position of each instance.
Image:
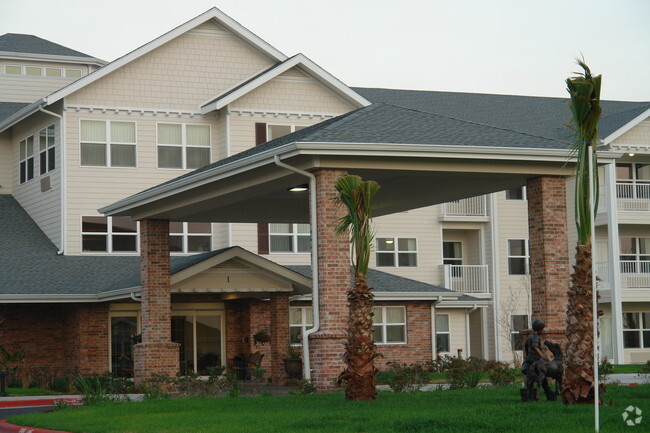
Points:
(488, 46)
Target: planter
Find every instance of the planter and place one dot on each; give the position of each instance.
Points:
(293, 367)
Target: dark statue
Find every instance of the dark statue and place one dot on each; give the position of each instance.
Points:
(537, 368)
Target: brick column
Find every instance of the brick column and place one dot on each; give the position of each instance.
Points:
(279, 336)
(334, 279)
(549, 253)
(157, 353)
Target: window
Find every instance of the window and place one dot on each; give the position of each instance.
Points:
(190, 237)
(108, 234)
(452, 253)
(35, 71)
(300, 320)
(632, 172)
(184, 146)
(53, 72)
(46, 149)
(636, 330)
(635, 255)
(73, 73)
(397, 252)
(389, 324)
(106, 143)
(289, 238)
(13, 69)
(442, 333)
(200, 335)
(516, 193)
(26, 159)
(518, 322)
(277, 131)
(517, 257)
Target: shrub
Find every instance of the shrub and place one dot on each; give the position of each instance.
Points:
(465, 373)
(234, 387)
(502, 376)
(605, 368)
(307, 387)
(156, 386)
(405, 377)
(94, 390)
(61, 384)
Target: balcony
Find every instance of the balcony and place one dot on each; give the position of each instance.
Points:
(634, 274)
(473, 207)
(633, 196)
(466, 278)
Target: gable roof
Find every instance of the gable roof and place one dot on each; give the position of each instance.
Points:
(7, 109)
(541, 116)
(299, 60)
(21, 43)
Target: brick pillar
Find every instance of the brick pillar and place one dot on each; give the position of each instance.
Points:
(334, 279)
(157, 353)
(549, 253)
(279, 336)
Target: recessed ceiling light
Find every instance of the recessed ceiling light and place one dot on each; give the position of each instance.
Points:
(299, 188)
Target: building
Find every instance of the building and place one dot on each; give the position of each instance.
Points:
(208, 95)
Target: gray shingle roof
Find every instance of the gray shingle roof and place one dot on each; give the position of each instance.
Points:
(539, 116)
(20, 43)
(9, 108)
(383, 282)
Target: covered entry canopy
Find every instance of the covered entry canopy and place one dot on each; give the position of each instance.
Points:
(418, 158)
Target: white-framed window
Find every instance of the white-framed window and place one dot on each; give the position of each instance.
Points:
(518, 322)
(53, 72)
(289, 238)
(442, 333)
(389, 324)
(517, 257)
(397, 252)
(47, 153)
(187, 238)
(108, 143)
(34, 71)
(14, 69)
(26, 161)
(300, 320)
(73, 73)
(635, 255)
(277, 131)
(183, 145)
(452, 252)
(636, 330)
(108, 235)
(516, 193)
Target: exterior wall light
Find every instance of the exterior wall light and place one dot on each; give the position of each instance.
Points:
(299, 188)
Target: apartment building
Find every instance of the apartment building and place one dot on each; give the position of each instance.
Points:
(449, 279)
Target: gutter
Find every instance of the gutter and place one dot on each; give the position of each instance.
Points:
(306, 365)
(63, 298)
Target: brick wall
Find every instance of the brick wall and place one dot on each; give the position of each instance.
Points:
(548, 243)
(279, 312)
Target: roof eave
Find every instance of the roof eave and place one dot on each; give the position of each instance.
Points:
(20, 115)
(53, 57)
(68, 298)
(625, 128)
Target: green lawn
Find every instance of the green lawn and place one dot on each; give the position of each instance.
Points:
(628, 368)
(475, 410)
(29, 391)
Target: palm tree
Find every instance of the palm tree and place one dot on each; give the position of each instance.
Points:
(356, 195)
(578, 381)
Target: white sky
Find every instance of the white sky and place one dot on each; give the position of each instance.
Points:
(488, 46)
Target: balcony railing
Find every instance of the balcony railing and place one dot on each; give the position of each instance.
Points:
(633, 196)
(473, 206)
(467, 278)
(635, 274)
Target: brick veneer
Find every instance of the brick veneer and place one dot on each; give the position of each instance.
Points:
(328, 344)
(157, 353)
(279, 311)
(549, 252)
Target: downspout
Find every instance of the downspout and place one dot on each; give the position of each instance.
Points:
(496, 269)
(63, 178)
(135, 298)
(467, 339)
(306, 365)
(434, 349)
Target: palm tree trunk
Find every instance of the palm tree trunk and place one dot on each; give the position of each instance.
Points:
(578, 381)
(360, 347)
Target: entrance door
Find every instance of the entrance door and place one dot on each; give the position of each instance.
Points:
(122, 330)
(200, 335)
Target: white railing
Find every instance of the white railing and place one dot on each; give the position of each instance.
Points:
(633, 197)
(467, 278)
(473, 206)
(602, 272)
(635, 274)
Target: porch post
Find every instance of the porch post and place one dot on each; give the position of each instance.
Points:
(157, 353)
(279, 336)
(549, 253)
(327, 346)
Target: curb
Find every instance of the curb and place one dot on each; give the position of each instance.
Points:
(38, 402)
(5, 427)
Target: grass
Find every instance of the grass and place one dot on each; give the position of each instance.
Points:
(30, 391)
(628, 368)
(465, 410)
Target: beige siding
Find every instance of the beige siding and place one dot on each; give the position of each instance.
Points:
(182, 74)
(87, 190)
(640, 134)
(457, 330)
(7, 163)
(43, 206)
(293, 91)
(24, 88)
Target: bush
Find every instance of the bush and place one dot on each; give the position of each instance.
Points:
(465, 373)
(307, 387)
(94, 390)
(157, 386)
(605, 368)
(405, 377)
(61, 384)
(503, 376)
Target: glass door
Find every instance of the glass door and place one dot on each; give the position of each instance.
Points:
(200, 335)
(122, 330)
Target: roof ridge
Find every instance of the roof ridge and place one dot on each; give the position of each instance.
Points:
(470, 122)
